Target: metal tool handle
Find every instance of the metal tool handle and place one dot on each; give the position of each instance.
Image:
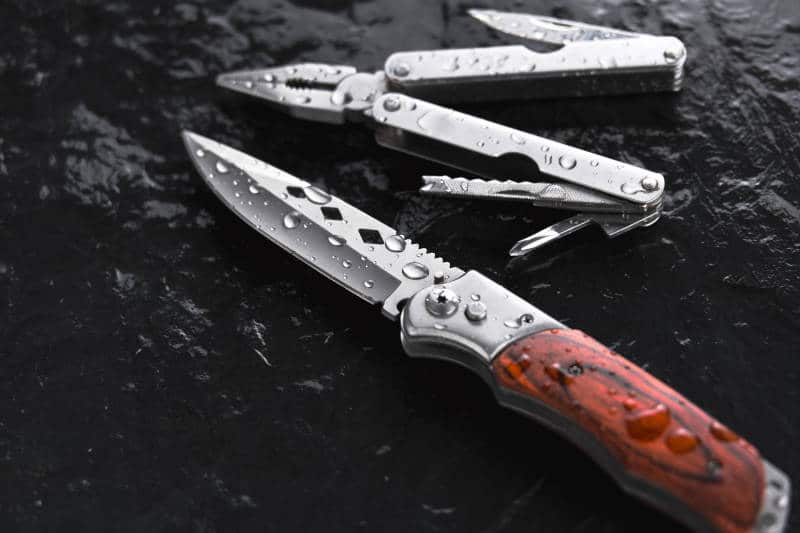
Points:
(653, 441)
(642, 64)
(490, 149)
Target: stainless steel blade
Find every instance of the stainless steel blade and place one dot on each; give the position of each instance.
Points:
(547, 29)
(358, 252)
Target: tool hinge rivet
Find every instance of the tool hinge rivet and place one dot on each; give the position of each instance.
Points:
(475, 311)
(442, 302)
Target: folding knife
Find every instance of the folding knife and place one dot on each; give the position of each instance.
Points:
(654, 442)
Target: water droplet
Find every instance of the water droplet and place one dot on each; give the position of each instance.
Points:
(438, 326)
(221, 168)
(401, 69)
(248, 84)
(346, 263)
(630, 188)
(630, 404)
(522, 320)
(481, 144)
(567, 162)
(562, 375)
(369, 284)
(475, 297)
(395, 243)
(681, 441)
(317, 196)
(335, 240)
(391, 103)
(517, 138)
(291, 220)
(648, 424)
(545, 148)
(269, 78)
(594, 162)
(415, 270)
(237, 194)
(302, 99)
(200, 153)
(253, 189)
(722, 433)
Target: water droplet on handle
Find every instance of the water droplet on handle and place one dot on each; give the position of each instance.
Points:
(722, 433)
(648, 424)
(567, 162)
(681, 441)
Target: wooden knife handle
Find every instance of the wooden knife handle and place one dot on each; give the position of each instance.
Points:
(654, 441)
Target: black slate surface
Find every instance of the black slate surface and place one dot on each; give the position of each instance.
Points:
(164, 369)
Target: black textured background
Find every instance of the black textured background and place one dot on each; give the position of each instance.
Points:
(164, 369)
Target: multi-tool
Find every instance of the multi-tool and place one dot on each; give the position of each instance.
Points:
(654, 442)
(397, 103)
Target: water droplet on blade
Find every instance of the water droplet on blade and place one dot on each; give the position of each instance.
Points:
(395, 243)
(346, 263)
(221, 168)
(253, 189)
(369, 284)
(415, 270)
(335, 241)
(317, 196)
(200, 153)
(291, 220)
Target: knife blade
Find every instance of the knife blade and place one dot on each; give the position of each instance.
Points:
(351, 248)
(654, 442)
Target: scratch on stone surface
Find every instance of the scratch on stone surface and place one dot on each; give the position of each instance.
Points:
(312, 384)
(438, 510)
(263, 357)
(512, 510)
(326, 334)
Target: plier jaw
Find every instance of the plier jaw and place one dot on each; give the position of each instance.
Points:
(311, 91)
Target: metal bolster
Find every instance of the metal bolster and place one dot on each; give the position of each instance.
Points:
(468, 321)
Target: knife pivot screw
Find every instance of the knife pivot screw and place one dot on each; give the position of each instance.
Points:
(392, 103)
(442, 302)
(475, 311)
(401, 70)
(649, 183)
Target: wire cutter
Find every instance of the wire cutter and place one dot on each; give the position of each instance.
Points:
(397, 102)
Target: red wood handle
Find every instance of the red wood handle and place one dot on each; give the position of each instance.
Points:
(661, 445)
